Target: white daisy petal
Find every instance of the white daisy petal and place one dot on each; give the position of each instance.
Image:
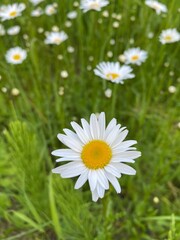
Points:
(102, 179)
(95, 195)
(102, 124)
(81, 134)
(82, 179)
(113, 180)
(100, 191)
(125, 169)
(94, 127)
(92, 178)
(120, 138)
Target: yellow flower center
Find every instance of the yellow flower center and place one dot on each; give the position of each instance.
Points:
(13, 13)
(112, 75)
(94, 5)
(135, 57)
(168, 38)
(16, 57)
(96, 154)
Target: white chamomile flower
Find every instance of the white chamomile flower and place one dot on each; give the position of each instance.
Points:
(97, 154)
(16, 55)
(135, 56)
(56, 38)
(50, 10)
(157, 6)
(36, 2)
(13, 30)
(37, 12)
(169, 36)
(11, 11)
(72, 15)
(96, 5)
(113, 72)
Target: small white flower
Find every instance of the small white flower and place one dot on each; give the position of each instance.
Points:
(70, 49)
(2, 30)
(56, 38)
(72, 15)
(110, 54)
(13, 30)
(16, 55)
(115, 24)
(169, 36)
(68, 24)
(37, 12)
(172, 89)
(96, 5)
(50, 10)
(64, 74)
(157, 6)
(108, 93)
(97, 154)
(36, 2)
(135, 56)
(113, 72)
(11, 11)
(15, 92)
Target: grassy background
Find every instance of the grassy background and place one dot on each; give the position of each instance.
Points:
(34, 204)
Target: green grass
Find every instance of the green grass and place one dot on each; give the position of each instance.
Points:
(35, 204)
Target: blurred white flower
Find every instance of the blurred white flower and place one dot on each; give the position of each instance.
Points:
(105, 14)
(68, 24)
(56, 38)
(135, 56)
(13, 30)
(122, 58)
(50, 10)
(96, 5)
(2, 30)
(108, 93)
(64, 74)
(70, 49)
(11, 11)
(169, 36)
(15, 92)
(36, 2)
(37, 12)
(172, 89)
(96, 153)
(16, 55)
(110, 54)
(113, 72)
(115, 24)
(157, 6)
(72, 15)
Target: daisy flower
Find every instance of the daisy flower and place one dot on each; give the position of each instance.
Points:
(96, 5)
(36, 2)
(135, 56)
(13, 30)
(72, 15)
(50, 10)
(169, 36)
(37, 12)
(56, 38)
(157, 6)
(113, 72)
(97, 154)
(11, 11)
(16, 55)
